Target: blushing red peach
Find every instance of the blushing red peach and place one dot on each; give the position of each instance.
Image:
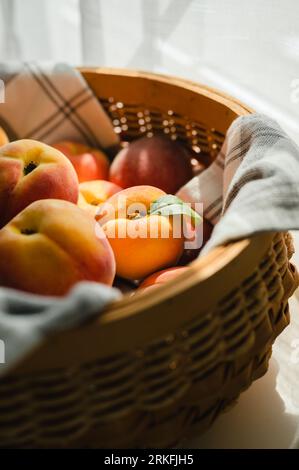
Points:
(3, 137)
(161, 277)
(93, 193)
(29, 171)
(89, 163)
(142, 243)
(50, 246)
(156, 161)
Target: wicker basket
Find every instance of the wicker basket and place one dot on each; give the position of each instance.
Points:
(156, 367)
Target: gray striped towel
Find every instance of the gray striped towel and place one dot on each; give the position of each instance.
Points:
(252, 186)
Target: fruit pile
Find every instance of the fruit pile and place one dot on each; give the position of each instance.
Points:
(66, 215)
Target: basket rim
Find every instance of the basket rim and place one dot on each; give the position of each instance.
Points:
(202, 269)
(222, 97)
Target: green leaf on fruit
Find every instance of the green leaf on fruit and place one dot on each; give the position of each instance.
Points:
(172, 205)
(165, 201)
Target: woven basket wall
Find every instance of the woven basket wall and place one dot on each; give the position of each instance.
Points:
(160, 366)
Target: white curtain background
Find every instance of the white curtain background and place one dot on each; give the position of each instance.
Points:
(249, 49)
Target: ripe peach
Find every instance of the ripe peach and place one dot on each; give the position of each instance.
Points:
(29, 171)
(156, 161)
(142, 242)
(161, 277)
(93, 193)
(3, 137)
(89, 163)
(50, 246)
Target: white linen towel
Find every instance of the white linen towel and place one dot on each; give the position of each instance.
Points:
(252, 186)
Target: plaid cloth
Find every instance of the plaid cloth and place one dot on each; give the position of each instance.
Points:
(52, 104)
(252, 186)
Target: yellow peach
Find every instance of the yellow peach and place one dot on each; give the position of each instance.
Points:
(50, 246)
(30, 171)
(3, 137)
(142, 242)
(93, 193)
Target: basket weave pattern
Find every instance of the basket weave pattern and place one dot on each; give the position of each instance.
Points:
(162, 387)
(177, 383)
(135, 121)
